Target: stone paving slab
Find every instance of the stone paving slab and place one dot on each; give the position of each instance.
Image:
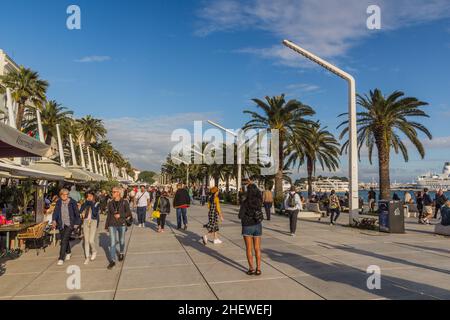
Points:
(321, 262)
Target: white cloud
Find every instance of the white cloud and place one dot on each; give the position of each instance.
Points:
(146, 141)
(90, 59)
(328, 27)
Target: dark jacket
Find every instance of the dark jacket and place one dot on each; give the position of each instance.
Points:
(162, 204)
(94, 210)
(181, 198)
(74, 214)
(124, 211)
(440, 200)
(250, 216)
(427, 200)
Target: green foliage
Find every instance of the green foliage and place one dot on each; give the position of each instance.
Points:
(104, 185)
(23, 194)
(147, 176)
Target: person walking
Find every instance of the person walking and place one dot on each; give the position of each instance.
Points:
(251, 217)
(372, 195)
(293, 205)
(214, 213)
(334, 207)
(268, 202)
(203, 195)
(419, 203)
(181, 202)
(407, 198)
(119, 216)
(74, 194)
(90, 216)
(103, 199)
(66, 218)
(142, 202)
(427, 207)
(162, 204)
(191, 194)
(439, 200)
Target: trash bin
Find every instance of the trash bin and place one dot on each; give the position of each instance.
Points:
(391, 216)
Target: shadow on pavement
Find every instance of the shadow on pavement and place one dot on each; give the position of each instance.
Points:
(193, 240)
(384, 257)
(358, 280)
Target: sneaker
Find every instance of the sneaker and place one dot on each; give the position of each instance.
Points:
(185, 227)
(205, 240)
(121, 257)
(292, 234)
(217, 241)
(60, 262)
(68, 256)
(86, 261)
(94, 255)
(111, 265)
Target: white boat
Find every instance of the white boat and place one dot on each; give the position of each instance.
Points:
(328, 184)
(435, 181)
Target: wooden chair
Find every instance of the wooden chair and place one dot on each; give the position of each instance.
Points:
(35, 234)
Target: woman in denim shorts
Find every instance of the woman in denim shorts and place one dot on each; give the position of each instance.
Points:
(251, 217)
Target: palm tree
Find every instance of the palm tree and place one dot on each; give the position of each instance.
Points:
(320, 146)
(26, 88)
(380, 123)
(284, 117)
(52, 114)
(92, 129)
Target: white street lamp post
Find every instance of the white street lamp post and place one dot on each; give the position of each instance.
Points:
(72, 150)
(39, 123)
(10, 106)
(239, 160)
(83, 163)
(60, 147)
(353, 154)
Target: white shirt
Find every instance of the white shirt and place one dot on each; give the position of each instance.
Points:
(298, 202)
(143, 198)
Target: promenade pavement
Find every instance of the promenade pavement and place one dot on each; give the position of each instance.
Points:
(321, 262)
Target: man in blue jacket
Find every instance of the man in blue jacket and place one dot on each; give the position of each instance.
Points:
(66, 217)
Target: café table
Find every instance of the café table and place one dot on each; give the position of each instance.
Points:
(14, 228)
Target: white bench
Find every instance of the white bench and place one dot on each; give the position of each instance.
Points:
(442, 230)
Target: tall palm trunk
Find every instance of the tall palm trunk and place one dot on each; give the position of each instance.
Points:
(279, 175)
(309, 168)
(20, 113)
(383, 167)
(48, 139)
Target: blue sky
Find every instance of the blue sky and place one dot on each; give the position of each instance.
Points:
(148, 67)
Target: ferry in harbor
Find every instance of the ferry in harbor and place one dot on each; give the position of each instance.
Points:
(435, 181)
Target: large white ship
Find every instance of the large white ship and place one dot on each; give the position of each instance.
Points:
(435, 181)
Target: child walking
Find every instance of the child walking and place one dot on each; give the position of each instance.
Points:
(214, 214)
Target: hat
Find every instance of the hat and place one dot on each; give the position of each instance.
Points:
(214, 190)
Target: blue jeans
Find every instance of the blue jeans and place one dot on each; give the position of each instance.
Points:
(113, 241)
(181, 213)
(141, 212)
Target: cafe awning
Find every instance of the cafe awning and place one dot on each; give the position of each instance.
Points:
(52, 167)
(21, 172)
(78, 173)
(14, 143)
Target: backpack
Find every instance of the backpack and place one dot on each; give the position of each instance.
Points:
(445, 216)
(291, 201)
(334, 202)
